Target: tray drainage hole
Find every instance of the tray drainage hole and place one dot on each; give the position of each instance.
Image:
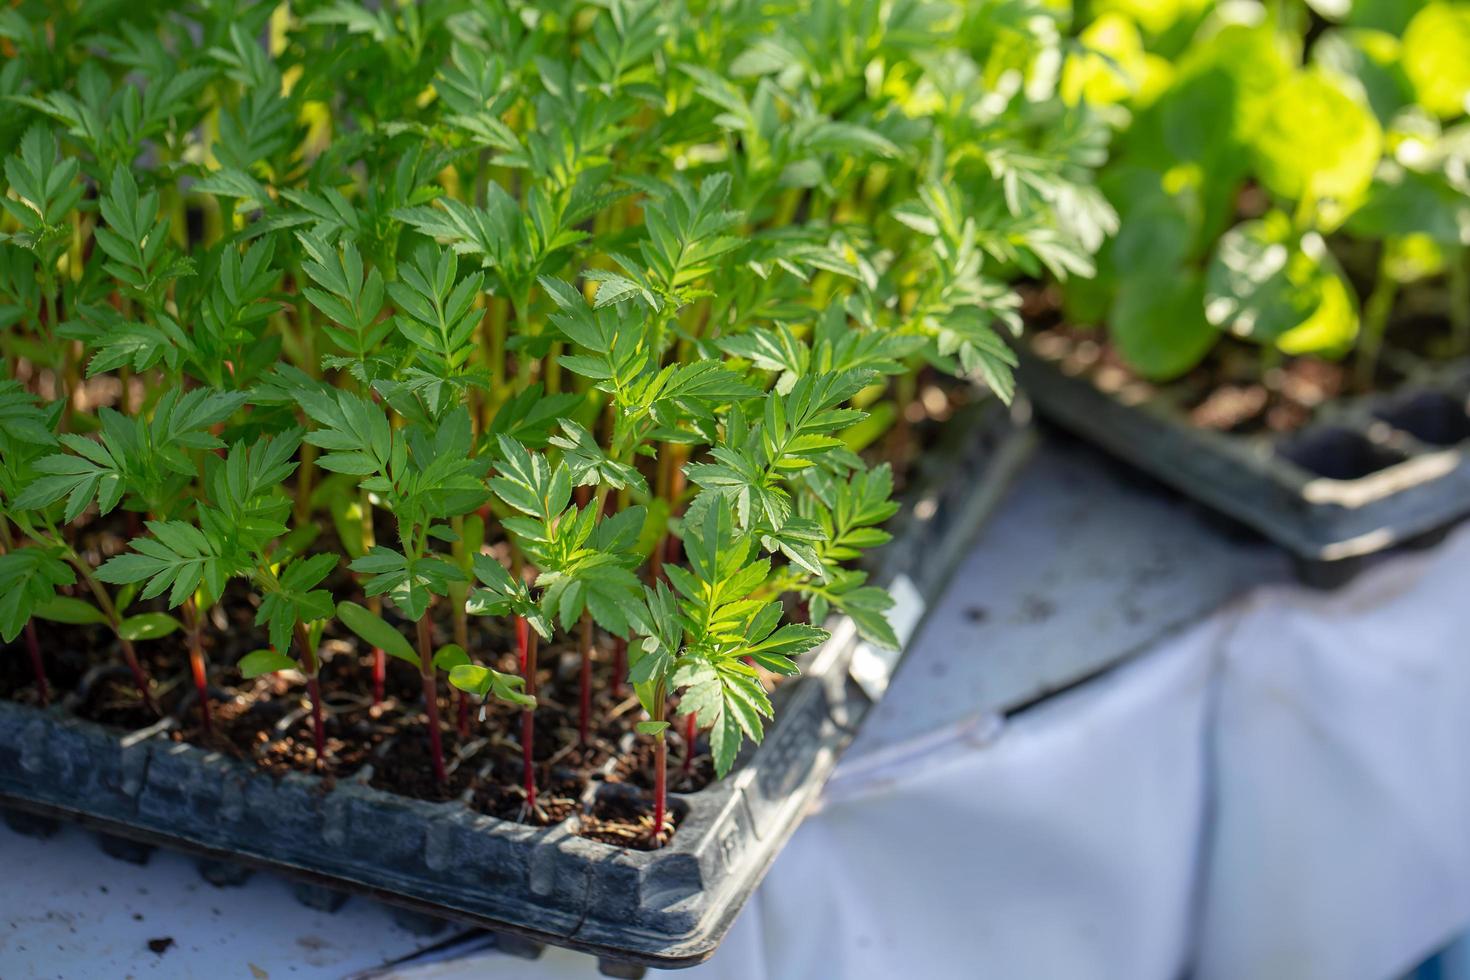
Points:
(1340, 454)
(1431, 417)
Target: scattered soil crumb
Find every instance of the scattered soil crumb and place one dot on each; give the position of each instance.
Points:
(1035, 609)
(161, 945)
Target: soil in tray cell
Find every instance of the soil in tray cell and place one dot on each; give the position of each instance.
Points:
(624, 821)
(1232, 390)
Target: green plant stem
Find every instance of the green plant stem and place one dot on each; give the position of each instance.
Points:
(458, 595)
(66, 371)
(305, 480)
(551, 368)
(496, 315)
(1376, 312)
(1271, 360)
(313, 691)
(374, 603)
(1459, 284)
(584, 700)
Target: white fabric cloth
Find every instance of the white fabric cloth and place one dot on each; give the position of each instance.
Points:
(1341, 826)
(1061, 845)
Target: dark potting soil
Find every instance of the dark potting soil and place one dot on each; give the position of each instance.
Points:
(269, 723)
(1227, 392)
(405, 765)
(116, 702)
(625, 822)
(1223, 398)
(559, 791)
(1233, 389)
(266, 721)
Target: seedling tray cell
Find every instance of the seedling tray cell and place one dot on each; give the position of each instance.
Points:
(1366, 474)
(666, 908)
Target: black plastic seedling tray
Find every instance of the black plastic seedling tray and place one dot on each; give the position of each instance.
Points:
(666, 908)
(1366, 474)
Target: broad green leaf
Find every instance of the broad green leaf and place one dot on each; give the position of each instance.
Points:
(70, 610)
(376, 632)
(1265, 282)
(1158, 323)
(1317, 142)
(1436, 57)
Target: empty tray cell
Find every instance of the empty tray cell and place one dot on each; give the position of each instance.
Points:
(1429, 416)
(1340, 454)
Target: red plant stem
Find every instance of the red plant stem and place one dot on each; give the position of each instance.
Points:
(33, 647)
(528, 728)
(380, 659)
(521, 645)
(314, 691)
(197, 666)
(660, 787)
(431, 700)
(584, 708)
(201, 687)
(380, 674)
(691, 732)
(104, 602)
(620, 667)
(140, 678)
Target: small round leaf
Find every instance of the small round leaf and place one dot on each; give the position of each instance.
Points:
(450, 656)
(259, 662)
(1159, 325)
(1316, 141)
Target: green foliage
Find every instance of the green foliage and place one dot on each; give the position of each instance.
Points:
(1348, 130)
(375, 631)
(29, 578)
(1436, 57)
(508, 303)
